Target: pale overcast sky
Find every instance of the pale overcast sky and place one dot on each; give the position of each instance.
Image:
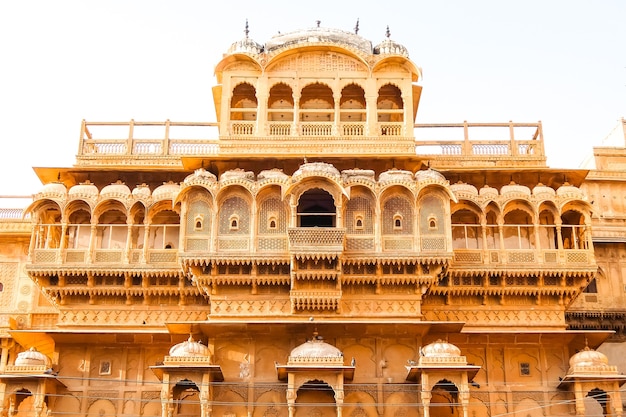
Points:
(562, 62)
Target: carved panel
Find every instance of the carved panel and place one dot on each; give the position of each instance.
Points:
(250, 307)
(8, 278)
(319, 62)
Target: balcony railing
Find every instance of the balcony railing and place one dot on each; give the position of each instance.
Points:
(443, 143)
(316, 238)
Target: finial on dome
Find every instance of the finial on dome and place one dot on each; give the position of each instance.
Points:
(246, 30)
(388, 32)
(356, 27)
(318, 22)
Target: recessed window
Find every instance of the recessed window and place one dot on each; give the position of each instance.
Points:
(524, 369)
(234, 222)
(272, 223)
(105, 367)
(432, 223)
(397, 222)
(198, 222)
(358, 223)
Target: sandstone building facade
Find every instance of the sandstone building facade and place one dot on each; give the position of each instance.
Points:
(314, 252)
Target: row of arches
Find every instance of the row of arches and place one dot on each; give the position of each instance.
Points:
(316, 104)
(518, 225)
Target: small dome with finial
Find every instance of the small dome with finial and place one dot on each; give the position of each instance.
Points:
(389, 47)
(246, 45)
(315, 348)
(189, 348)
(440, 349)
(31, 357)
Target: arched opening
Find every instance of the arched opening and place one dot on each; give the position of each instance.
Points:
(164, 230)
(492, 230)
(317, 110)
(243, 104)
(466, 230)
(599, 403)
(518, 230)
(316, 398)
(547, 230)
(316, 208)
(79, 229)
(48, 230)
(280, 103)
(390, 110)
(186, 395)
(352, 110)
(573, 230)
(445, 400)
(112, 231)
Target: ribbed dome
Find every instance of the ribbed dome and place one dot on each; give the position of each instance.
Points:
(31, 357)
(389, 47)
(429, 174)
(440, 349)
(236, 174)
(274, 173)
(543, 190)
(116, 189)
(141, 191)
(514, 188)
(189, 348)
(463, 188)
(487, 191)
(588, 357)
(395, 175)
(85, 189)
(569, 190)
(54, 189)
(316, 348)
(169, 190)
(200, 175)
(318, 35)
(317, 168)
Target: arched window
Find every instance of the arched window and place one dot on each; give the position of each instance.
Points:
(316, 208)
(243, 104)
(234, 222)
(397, 222)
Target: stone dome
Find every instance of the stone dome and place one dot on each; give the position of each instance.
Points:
(317, 168)
(440, 349)
(141, 191)
(168, 190)
(200, 175)
(568, 190)
(31, 357)
(463, 188)
(543, 190)
(83, 190)
(318, 35)
(429, 174)
(54, 189)
(274, 173)
(189, 348)
(487, 191)
(116, 189)
(588, 358)
(395, 175)
(237, 173)
(514, 188)
(389, 47)
(316, 348)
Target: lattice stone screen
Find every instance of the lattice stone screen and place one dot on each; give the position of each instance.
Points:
(397, 206)
(272, 208)
(198, 208)
(234, 206)
(360, 207)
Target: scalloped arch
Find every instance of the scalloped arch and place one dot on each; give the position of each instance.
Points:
(235, 189)
(184, 193)
(416, 72)
(333, 187)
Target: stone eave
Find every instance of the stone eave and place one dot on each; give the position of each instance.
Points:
(283, 371)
